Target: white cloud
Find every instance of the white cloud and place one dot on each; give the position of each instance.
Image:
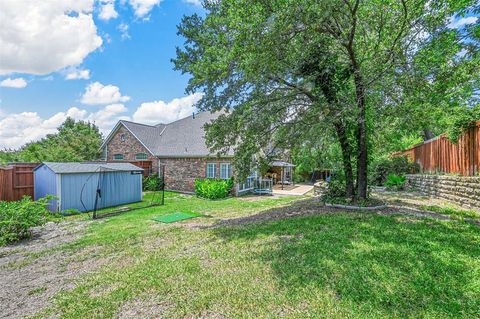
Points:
(17, 83)
(39, 37)
(143, 7)
(75, 74)
(107, 10)
(123, 28)
(194, 2)
(166, 112)
(97, 93)
(458, 23)
(20, 128)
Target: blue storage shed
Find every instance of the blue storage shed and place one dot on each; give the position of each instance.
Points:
(75, 184)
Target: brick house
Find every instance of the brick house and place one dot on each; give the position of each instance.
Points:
(178, 146)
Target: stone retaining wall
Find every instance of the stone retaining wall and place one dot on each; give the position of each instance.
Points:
(462, 190)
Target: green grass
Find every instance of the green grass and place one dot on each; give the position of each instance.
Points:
(453, 212)
(345, 265)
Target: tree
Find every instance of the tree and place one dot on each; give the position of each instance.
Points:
(74, 141)
(292, 64)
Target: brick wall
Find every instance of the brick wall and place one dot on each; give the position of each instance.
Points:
(462, 190)
(180, 173)
(129, 147)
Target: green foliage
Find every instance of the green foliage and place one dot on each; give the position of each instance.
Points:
(152, 183)
(395, 182)
(335, 189)
(16, 218)
(74, 141)
(384, 167)
(213, 188)
(462, 121)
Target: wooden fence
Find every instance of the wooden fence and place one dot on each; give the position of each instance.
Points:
(439, 155)
(16, 181)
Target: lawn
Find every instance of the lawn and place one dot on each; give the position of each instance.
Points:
(331, 265)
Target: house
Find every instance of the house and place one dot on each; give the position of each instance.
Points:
(86, 186)
(179, 147)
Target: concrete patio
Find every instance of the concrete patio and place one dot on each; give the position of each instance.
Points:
(296, 190)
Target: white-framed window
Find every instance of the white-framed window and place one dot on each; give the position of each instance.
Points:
(118, 157)
(141, 156)
(122, 137)
(225, 170)
(211, 170)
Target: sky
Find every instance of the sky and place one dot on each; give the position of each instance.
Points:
(96, 60)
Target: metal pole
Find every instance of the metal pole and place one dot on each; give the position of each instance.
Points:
(283, 177)
(163, 184)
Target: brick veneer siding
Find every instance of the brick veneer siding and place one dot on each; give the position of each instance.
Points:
(180, 173)
(129, 148)
(462, 190)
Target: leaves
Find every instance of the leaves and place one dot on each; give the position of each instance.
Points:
(75, 141)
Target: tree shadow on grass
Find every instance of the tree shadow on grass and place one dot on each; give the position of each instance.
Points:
(375, 265)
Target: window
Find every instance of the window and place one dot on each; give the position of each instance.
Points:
(225, 170)
(118, 157)
(122, 137)
(141, 156)
(211, 170)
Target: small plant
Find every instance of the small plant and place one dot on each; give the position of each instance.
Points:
(395, 182)
(71, 212)
(213, 188)
(16, 218)
(152, 183)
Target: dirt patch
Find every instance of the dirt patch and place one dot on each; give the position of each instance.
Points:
(313, 206)
(306, 207)
(143, 307)
(33, 271)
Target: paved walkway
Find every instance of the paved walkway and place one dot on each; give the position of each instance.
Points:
(297, 189)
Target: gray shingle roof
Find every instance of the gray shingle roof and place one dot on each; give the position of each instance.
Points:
(74, 167)
(182, 138)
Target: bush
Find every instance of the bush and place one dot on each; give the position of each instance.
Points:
(152, 183)
(213, 188)
(16, 218)
(397, 166)
(395, 182)
(335, 189)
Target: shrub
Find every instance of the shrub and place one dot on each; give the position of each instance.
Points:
(335, 189)
(16, 218)
(213, 188)
(385, 167)
(152, 183)
(395, 182)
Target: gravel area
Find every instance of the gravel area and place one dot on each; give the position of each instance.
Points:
(34, 270)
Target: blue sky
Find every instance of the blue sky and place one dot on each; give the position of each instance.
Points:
(131, 67)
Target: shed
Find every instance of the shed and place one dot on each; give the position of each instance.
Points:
(75, 184)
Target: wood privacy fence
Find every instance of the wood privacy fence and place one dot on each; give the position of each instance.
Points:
(439, 155)
(16, 181)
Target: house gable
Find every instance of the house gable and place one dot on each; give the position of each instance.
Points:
(122, 141)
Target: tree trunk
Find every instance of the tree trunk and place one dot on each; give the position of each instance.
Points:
(427, 134)
(362, 155)
(346, 155)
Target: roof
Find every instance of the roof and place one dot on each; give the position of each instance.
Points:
(182, 138)
(281, 164)
(89, 167)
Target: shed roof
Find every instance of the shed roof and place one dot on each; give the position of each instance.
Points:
(89, 167)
